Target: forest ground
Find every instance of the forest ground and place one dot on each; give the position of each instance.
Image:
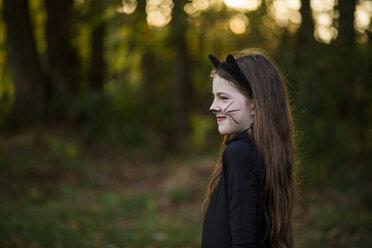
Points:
(59, 189)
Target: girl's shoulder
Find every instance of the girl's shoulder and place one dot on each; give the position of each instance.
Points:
(242, 156)
(242, 148)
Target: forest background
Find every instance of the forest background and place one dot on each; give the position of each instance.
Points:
(106, 138)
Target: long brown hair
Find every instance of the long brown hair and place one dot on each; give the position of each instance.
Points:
(272, 133)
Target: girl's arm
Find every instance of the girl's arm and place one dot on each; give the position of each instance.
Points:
(243, 194)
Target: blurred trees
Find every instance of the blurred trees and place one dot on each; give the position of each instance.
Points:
(29, 100)
(181, 67)
(137, 71)
(63, 63)
(97, 60)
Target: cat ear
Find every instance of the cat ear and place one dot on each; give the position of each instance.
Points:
(237, 72)
(214, 60)
(232, 63)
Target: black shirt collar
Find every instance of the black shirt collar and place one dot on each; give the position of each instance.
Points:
(242, 135)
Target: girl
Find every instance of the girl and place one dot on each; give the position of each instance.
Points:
(252, 190)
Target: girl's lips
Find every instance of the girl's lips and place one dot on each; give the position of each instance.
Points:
(221, 118)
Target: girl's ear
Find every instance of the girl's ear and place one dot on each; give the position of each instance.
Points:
(252, 109)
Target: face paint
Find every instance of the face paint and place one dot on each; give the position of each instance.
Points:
(226, 113)
(231, 107)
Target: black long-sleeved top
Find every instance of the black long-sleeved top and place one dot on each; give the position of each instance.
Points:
(235, 217)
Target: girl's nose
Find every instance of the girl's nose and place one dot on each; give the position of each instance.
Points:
(214, 107)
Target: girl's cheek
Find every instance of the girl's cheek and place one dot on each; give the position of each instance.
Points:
(225, 103)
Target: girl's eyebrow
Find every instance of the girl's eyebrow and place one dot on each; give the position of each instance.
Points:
(221, 93)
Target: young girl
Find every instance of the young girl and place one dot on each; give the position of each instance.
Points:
(252, 190)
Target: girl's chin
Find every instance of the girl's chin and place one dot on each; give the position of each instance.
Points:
(226, 132)
(229, 131)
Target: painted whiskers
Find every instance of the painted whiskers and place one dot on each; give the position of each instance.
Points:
(228, 112)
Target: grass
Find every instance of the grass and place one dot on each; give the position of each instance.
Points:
(57, 191)
(95, 219)
(334, 218)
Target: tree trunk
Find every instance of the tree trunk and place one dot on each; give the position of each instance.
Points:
(305, 43)
(182, 85)
(97, 67)
(148, 59)
(305, 33)
(346, 32)
(63, 60)
(29, 104)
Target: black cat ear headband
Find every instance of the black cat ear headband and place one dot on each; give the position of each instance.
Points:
(232, 67)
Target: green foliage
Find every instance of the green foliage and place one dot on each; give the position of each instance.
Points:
(201, 131)
(6, 86)
(113, 117)
(178, 195)
(61, 148)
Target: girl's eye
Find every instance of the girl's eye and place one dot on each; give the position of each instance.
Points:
(224, 97)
